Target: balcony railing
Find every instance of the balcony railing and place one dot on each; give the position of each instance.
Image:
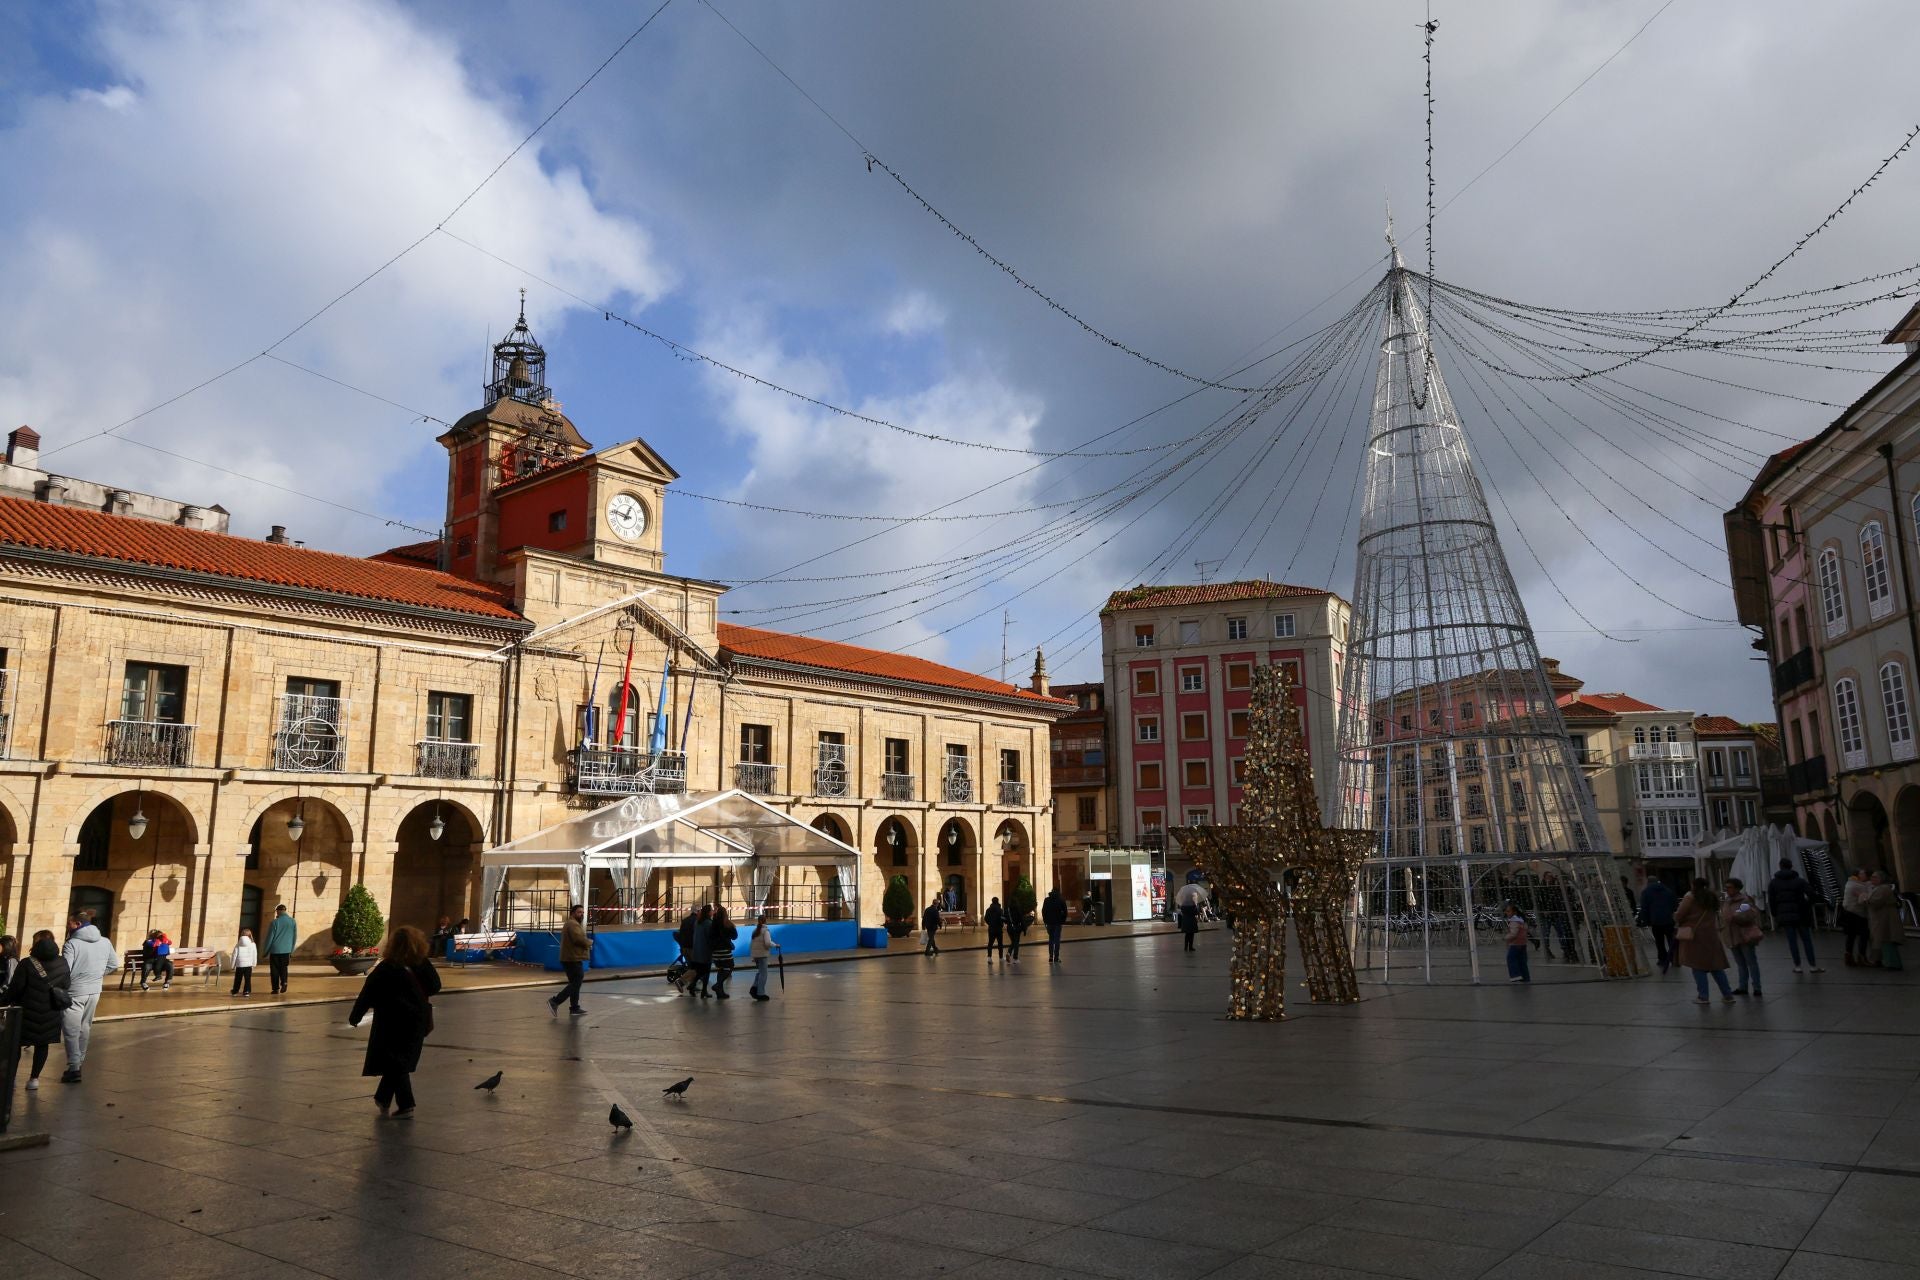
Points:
(755, 778)
(312, 737)
(621, 771)
(1809, 775)
(444, 758)
(896, 786)
(149, 744)
(1794, 672)
(1660, 751)
(957, 787)
(830, 776)
(1012, 792)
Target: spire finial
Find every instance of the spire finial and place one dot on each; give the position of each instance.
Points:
(523, 301)
(1391, 244)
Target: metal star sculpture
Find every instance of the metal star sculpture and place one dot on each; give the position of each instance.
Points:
(1280, 840)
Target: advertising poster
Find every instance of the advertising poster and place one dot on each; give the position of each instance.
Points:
(1142, 891)
(1159, 892)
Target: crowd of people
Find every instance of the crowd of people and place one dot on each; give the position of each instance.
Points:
(57, 988)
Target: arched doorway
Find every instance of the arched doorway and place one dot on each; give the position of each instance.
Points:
(435, 876)
(829, 894)
(9, 833)
(896, 852)
(955, 852)
(1016, 862)
(134, 868)
(1906, 834)
(1867, 832)
(299, 854)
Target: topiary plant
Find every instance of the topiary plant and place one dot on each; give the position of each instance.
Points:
(1022, 898)
(357, 925)
(897, 902)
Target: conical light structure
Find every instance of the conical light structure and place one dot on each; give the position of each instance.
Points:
(1451, 746)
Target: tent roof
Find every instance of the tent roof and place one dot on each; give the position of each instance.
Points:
(695, 829)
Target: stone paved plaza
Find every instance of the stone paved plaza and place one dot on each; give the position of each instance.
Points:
(902, 1117)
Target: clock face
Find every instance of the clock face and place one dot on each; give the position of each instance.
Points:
(627, 516)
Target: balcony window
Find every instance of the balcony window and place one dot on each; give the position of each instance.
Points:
(1846, 723)
(1873, 569)
(957, 780)
(154, 694)
(1013, 788)
(1199, 816)
(312, 737)
(450, 717)
(830, 776)
(448, 750)
(1236, 628)
(1476, 800)
(1477, 839)
(1893, 700)
(754, 772)
(1833, 596)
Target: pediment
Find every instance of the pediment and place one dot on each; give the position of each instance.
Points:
(638, 458)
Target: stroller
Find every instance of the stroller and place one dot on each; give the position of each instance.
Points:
(677, 974)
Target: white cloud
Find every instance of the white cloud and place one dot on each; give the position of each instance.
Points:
(913, 314)
(254, 160)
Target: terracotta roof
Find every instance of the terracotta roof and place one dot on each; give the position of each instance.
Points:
(40, 526)
(1908, 329)
(413, 553)
(1604, 704)
(1719, 727)
(1146, 597)
(829, 655)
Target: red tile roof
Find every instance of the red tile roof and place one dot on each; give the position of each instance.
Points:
(1603, 704)
(1146, 597)
(1719, 727)
(41, 526)
(413, 553)
(829, 655)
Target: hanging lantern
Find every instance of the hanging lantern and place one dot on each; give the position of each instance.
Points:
(297, 824)
(137, 824)
(438, 827)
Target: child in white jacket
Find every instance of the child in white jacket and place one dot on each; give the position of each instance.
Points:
(245, 956)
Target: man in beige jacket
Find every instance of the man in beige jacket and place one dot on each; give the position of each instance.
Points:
(576, 944)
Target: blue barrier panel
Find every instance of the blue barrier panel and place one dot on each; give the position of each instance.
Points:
(874, 938)
(655, 948)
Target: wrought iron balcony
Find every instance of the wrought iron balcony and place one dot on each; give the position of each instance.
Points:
(896, 786)
(1012, 792)
(957, 787)
(1807, 776)
(757, 779)
(830, 776)
(150, 744)
(623, 771)
(1794, 672)
(1660, 751)
(443, 758)
(312, 737)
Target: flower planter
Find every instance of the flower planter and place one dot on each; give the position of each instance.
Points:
(899, 928)
(353, 964)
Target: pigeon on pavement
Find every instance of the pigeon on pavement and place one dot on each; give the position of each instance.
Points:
(676, 1090)
(618, 1118)
(491, 1083)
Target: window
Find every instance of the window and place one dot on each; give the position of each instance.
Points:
(1239, 675)
(1237, 723)
(1146, 680)
(756, 744)
(1150, 820)
(1194, 773)
(1151, 778)
(1748, 814)
(1446, 841)
(450, 717)
(1742, 764)
(1673, 733)
(1722, 814)
(1193, 726)
(1476, 800)
(1410, 808)
(1466, 711)
(1846, 723)
(896, 757)
(1666, 780)
(1799, 741)
(1670, 827)
(1893, 698)
(1522, 839)
(1519, 795)
(1477, 839)
(556, 521)
(1283, 626)
(1833, 597)
(1291, 669)
(1639, 733)
(1237, 771)
(1581, 754)
(1193, 680)
(1236, 628)
(154, 694)
(1143, 636)
(1873, 568)
(1717, 765)
(1189, 631)
(1088, 813)
(1442, 804)
(1009, 765)
(1433, 718)
(1147, 728)
(1786, 638)
(1199, 816)
(463, 546)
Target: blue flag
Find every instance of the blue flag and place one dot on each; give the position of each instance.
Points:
(658, 744)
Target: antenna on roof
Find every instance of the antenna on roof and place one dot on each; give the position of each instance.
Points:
(1205, 568)
(1006, 621)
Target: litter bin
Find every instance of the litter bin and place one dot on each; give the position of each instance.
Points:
(11, 1021)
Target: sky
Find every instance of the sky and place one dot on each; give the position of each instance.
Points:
(1204, 183)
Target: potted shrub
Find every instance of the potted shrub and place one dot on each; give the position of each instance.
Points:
(897, 905)
(357, 932)
(1022, 899)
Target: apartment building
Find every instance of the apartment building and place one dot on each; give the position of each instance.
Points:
(1083, 808)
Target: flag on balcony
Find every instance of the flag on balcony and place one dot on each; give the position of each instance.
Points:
(658, 744)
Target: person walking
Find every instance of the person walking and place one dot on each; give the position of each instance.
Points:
(1053, 914)
(1701, 949)
(1518, 969)
(1017, 921)
(1853, 918)
(721, 939)
(576, 945)
(700, 951)
(760, 949)
(90, 958)
(930, 929)
(1883, 921)
(1189, 923)
(39, 988)
(1657, 904)
(995, 918)
(283, 935)
(399, 994)
(1741, 919)
(1790, 898)
(245, 956)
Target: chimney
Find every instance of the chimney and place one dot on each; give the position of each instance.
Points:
(54, 490)
(119, 502)
(1040, 685)
(279, 534)
(23, 448)
(191, 517)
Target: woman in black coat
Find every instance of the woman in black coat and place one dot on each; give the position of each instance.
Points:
(399, 994)
(1189, 920)
(39, 988)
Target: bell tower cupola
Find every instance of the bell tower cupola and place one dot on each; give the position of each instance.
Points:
(519, 365)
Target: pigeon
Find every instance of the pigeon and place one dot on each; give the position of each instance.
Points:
(618, 1118)
(491, 1083)
(676, 1090)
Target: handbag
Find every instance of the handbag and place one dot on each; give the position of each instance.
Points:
(1684, 933)
(57, 996)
